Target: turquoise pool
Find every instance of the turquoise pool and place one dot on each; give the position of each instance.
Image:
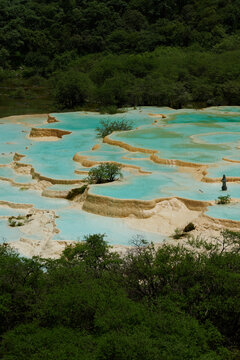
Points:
(203, 137)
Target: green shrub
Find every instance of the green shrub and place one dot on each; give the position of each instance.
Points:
(19, 220)
(74, 192)
(12, 222)
(150, 303)
(110, 109)
(19, 93)
(103, 173)
(107, 127)
(222, 200)
(177, 234)
(72, 89)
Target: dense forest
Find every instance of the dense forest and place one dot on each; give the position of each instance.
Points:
(71, 53)
(170, 303)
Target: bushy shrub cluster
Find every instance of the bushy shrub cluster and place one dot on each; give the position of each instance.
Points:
(50, 34)
(109, 54)
(103, 173)
(19, 220)
(108, 126)
(222, 200)
(172, 303)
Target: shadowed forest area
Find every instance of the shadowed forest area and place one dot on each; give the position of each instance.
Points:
(74, 53)
(171, 303)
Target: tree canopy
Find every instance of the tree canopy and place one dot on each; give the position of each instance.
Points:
(35, 32)
(168, 303)
(119, 53)
(105, 172)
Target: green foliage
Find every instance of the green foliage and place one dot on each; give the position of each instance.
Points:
(228, 43)
(41, 343)
(72, 89)
(194, 281)
(170, 303)
(164, 77)
(77, 191)
(110, 109)
(19, 220)
(19, 93)
(94, 253)
(119, 54)
(20, 283)
(48, 35)
(105, 172)
(230, 240)
(108, 126)
(222, 200)
(178, 234)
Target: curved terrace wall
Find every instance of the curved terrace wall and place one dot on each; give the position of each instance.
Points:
(108, 206)
(37, 132)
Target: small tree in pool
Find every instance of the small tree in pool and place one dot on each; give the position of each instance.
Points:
(106, 172)
(222, 200)
(107, 127)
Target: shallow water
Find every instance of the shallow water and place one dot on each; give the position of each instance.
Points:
(8, 233)
(231, 169)
(203, 137)
(189, 137)
(116, 230)
(230, 211)
(225, 109)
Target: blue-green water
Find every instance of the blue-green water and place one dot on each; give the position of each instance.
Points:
(200, 138)
(116, 230)
(225, 109)
(6, 211)
(231, 211)
(231, 169)
(204, 137)
(8, 233)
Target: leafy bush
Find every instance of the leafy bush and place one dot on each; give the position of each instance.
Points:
(110, 109)
(13, 220)
(77, 191)
(19, 93)
(177, 234)
(72, 89)
(19, 220)
(107, 127)
(147, 304)
(106, 172)
(222, 200)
